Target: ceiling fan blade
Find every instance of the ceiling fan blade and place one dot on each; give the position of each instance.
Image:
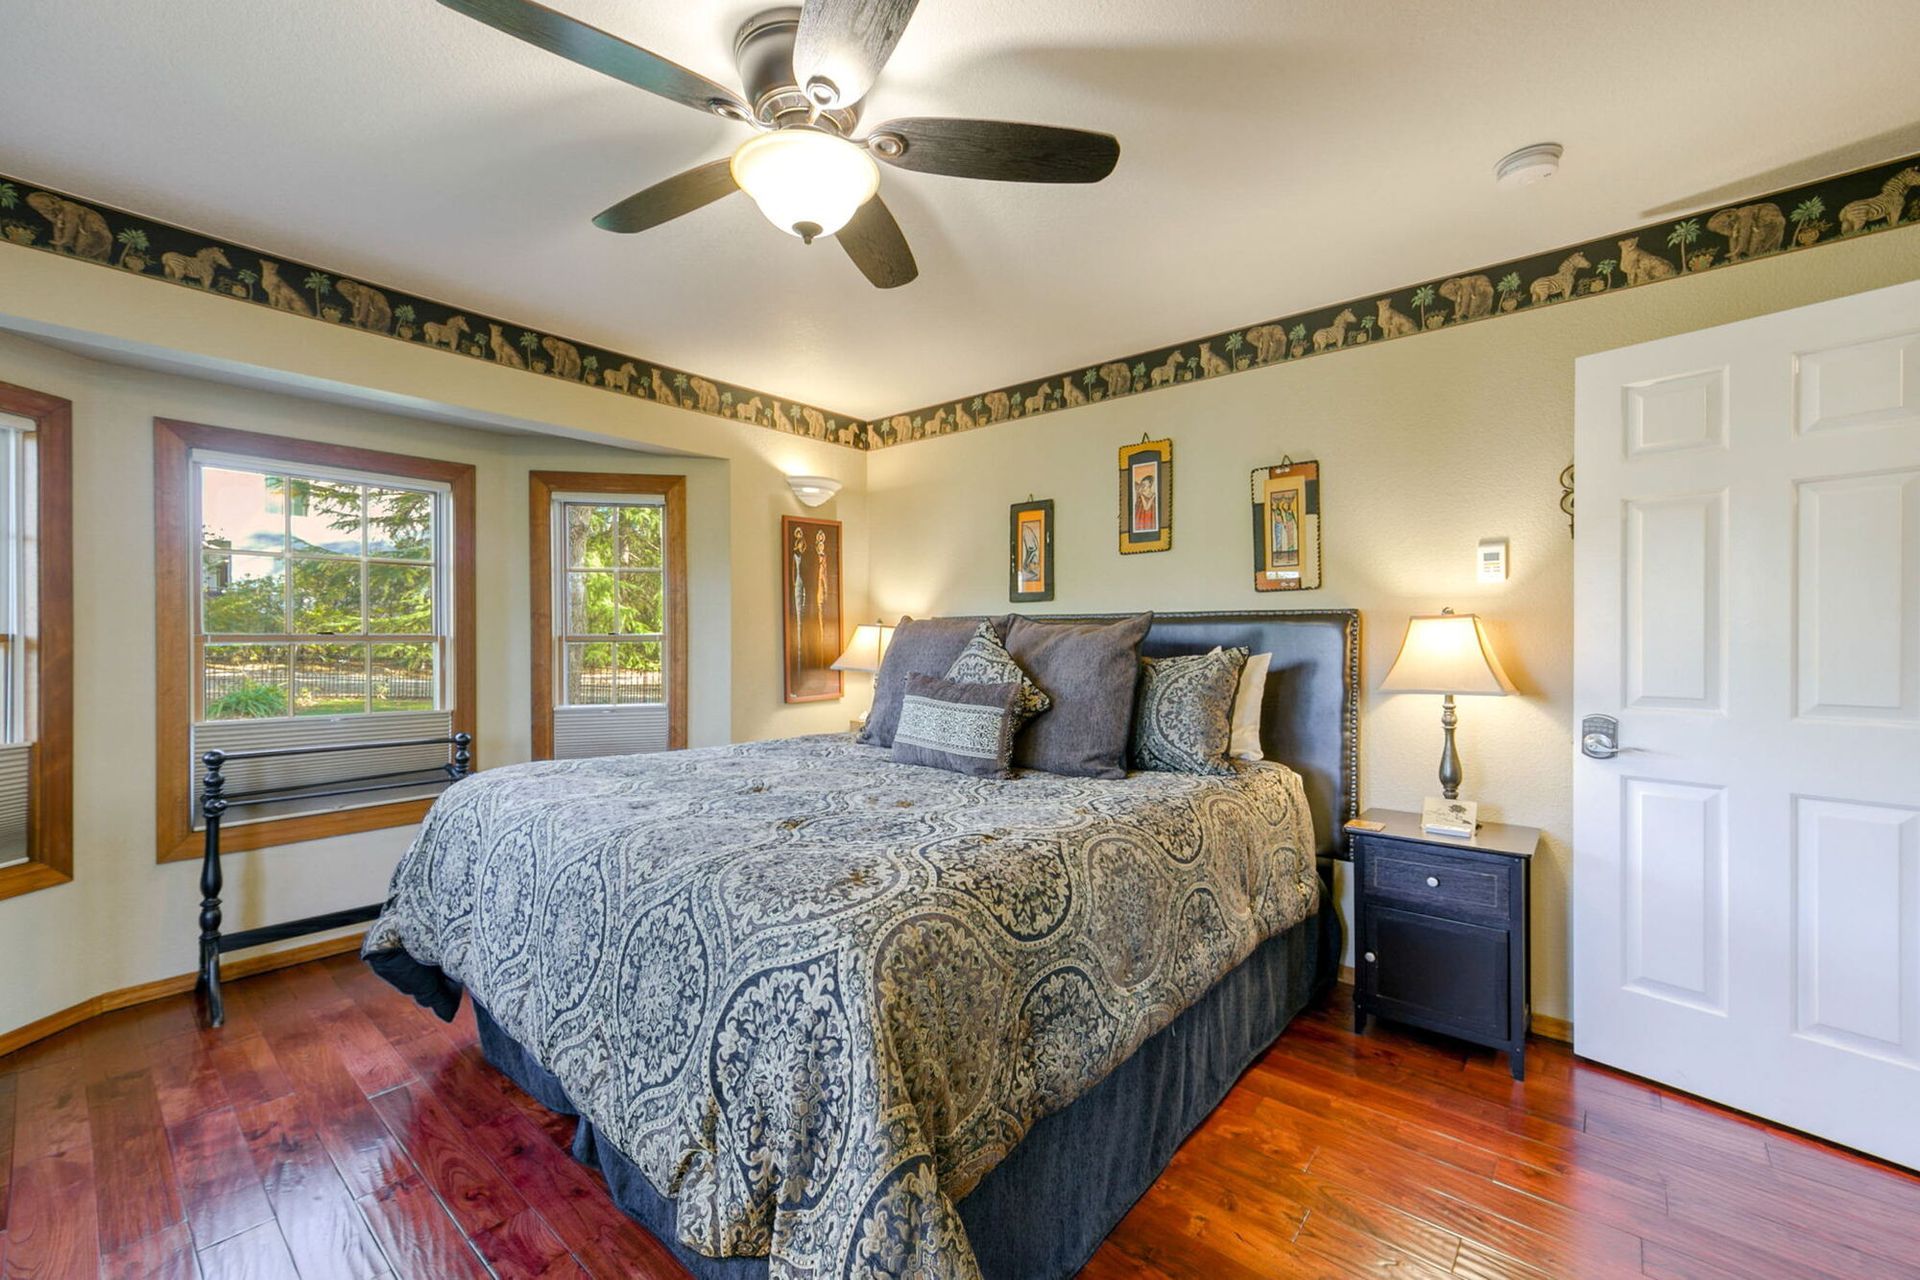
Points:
(997, 150)
(878, 247)
(597, 50)
(842, 44)
(665, 201)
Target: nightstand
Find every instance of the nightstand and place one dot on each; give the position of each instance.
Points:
(1440, 930)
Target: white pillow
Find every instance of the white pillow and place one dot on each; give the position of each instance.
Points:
(1245, 744)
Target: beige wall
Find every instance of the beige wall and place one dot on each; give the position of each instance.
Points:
(125, 920)
(1426, 446)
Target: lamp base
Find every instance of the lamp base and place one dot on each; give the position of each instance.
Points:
(1450, 774)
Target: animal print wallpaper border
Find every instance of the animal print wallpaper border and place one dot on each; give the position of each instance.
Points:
(38, 217)
(1866, 200)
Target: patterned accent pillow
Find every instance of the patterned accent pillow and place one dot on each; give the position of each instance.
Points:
(924, 646)
(1183, 713)
(986, 661)
(967, 728)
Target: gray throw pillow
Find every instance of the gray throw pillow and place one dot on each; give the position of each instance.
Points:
(945, 724)
(1183, 722)
(986, 661)
(920, 646)
(1089, 669)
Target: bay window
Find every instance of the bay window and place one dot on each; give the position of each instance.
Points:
(608, 580)
(310, 595)
(36, 641)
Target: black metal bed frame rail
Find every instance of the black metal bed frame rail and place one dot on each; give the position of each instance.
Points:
(215, 800)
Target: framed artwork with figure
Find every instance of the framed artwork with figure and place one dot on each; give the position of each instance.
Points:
(1286, 526)
(811, 608)
(1030, 551)
(1146, 497)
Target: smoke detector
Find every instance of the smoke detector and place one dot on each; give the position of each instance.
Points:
(1528, 165)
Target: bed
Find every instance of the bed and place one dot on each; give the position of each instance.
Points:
(824, 1014)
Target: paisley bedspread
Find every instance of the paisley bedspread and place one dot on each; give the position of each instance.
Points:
(815, 995)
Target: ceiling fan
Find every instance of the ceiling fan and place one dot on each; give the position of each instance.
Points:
(805, 71)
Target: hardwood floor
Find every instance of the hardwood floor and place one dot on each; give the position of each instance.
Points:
(333, 1129)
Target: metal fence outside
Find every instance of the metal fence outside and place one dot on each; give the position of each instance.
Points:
(325, 684)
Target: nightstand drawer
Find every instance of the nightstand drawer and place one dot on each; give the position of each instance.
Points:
(1436, 881)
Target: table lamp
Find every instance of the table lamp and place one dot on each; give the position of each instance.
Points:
(1447, 653)
(866, 650)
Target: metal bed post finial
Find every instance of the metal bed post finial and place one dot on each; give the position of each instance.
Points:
(462, 755)
(212, 804)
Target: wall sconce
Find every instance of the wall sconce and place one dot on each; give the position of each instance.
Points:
(813, 490)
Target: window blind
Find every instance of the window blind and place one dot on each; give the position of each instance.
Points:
(608, 731)
(16, 760)
(298, 771)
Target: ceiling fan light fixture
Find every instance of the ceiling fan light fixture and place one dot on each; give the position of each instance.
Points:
(807, 182)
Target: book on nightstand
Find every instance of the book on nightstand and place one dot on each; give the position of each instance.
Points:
(1449, 817)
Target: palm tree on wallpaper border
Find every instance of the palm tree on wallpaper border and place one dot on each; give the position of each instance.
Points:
(133, 241)
(249, 278)
(320, 285)
(9, 196)
(1422, 298)
(1682, 237)
(1806, 214)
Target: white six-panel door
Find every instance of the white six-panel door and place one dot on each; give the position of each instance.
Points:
(1747, 604)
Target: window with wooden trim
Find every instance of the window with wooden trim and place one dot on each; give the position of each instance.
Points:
(608, 581)
(310, 595)
(36, 641)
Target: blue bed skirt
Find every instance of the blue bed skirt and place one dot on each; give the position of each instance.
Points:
(1043, 1210)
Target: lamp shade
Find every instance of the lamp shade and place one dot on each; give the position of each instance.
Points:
(1447, 653)
(867, 648)
(813, 490)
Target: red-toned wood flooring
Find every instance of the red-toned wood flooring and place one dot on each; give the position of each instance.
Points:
(333, 1129)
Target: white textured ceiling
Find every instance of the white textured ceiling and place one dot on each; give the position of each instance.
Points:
(1274, 156)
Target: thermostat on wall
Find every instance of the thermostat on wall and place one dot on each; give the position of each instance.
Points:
(1493, 560)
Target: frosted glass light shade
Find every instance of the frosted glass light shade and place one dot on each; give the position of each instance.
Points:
(867, 648)
(813, 490)
(808, 183)
(1447, 653)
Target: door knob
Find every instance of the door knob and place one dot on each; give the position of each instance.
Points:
(1600, 737)
(1433, 882)
(1369, 957)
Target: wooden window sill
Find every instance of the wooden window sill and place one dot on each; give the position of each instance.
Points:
(295, 830)
(27, 877)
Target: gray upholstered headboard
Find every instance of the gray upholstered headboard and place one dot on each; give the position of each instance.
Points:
(1310, 718)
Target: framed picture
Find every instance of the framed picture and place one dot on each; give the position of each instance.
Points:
(1030, 551)
(810, 634)
(1146, 497)
(1286, 526)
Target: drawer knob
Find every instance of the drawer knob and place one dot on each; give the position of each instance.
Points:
(1369, 957)
(1433, 882)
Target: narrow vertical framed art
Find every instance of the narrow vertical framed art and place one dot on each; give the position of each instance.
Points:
(1286, 526)
(1030, 551)
(1146, 497)
(811, 631)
